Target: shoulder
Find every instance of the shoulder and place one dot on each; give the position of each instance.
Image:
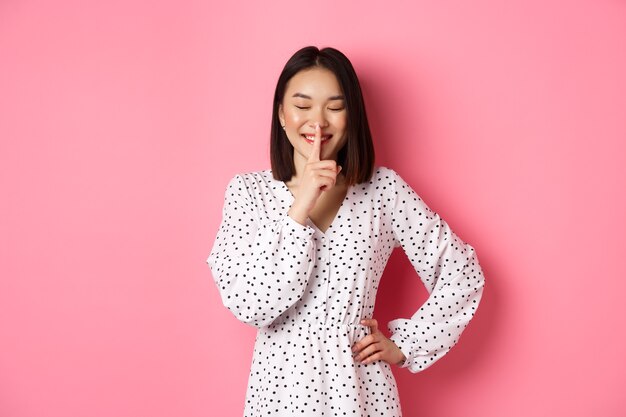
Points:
(390, 180)
(250, 177)
(252, 183)
(384, 176)
(384, 172)
(380, 185)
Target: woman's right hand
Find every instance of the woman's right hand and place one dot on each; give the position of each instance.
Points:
(317, 177)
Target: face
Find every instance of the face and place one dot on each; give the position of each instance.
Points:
(314, 96)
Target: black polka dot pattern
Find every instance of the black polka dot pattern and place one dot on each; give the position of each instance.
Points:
(306, 291)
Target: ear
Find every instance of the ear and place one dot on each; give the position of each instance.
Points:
(281, 115)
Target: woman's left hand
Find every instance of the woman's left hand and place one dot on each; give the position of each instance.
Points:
(376, 346)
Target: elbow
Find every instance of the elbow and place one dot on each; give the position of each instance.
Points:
(475, 268)
(249, 314)
(480, 278)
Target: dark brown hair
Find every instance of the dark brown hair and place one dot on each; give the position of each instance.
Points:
(357, 155)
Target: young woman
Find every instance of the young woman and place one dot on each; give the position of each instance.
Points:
(301, 249)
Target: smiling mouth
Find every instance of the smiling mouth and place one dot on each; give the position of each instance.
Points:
(310, 138)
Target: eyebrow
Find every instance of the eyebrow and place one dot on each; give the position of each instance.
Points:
(338, 97)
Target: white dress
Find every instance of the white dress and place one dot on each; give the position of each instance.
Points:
(306, 292)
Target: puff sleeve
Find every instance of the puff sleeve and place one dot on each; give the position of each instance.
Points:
(449, 269)
(261, 266)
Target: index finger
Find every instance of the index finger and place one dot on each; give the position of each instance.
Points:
(317, 144)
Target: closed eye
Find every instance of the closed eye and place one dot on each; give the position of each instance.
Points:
(306, 108)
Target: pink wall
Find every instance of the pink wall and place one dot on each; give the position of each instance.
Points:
(122, 121)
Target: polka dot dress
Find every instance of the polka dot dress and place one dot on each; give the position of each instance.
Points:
(306, 292)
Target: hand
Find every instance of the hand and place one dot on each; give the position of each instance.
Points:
(376, 346)
(318, 176)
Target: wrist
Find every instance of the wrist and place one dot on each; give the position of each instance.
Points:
(298, 214)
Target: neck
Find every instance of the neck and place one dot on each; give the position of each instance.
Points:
(299, 163)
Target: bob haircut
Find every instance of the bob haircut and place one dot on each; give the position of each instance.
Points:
(357, 155)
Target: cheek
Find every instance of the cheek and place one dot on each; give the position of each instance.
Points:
(294, 118)
(340, 122)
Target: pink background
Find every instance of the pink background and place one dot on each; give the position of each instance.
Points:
(122, 121)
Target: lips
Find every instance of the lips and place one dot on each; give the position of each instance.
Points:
(310, 138)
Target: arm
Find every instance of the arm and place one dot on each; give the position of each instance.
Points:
(449, 269)
(261, 268)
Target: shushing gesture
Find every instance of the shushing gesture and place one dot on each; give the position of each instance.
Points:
(318, 176)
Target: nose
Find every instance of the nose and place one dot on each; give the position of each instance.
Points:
(318, 117)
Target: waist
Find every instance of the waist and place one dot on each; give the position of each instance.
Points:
(317, 326)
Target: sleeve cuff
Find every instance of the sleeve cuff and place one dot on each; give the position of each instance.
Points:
(403, 344)
(297, 229)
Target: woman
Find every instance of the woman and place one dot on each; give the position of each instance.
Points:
(301, 249)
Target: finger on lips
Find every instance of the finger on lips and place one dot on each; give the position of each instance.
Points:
(317, 144)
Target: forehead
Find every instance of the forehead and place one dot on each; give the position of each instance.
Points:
(315, 82)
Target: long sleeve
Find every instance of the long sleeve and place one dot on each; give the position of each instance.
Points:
(449, 269)
(261, 267)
